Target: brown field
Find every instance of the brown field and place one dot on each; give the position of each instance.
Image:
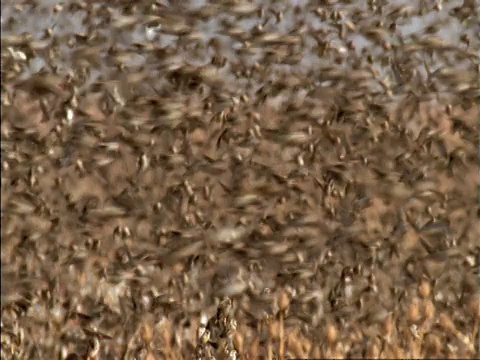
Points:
(269, 192)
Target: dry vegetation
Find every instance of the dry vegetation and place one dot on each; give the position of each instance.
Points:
(239, 180)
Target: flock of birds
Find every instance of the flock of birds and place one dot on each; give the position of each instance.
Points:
(160, 156)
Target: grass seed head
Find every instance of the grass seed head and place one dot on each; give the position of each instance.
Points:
(332, 334)
(429, 310)
(424, 288)
(446, 323)
(414, 311)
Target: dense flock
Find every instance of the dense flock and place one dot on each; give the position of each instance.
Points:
(240, 179)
